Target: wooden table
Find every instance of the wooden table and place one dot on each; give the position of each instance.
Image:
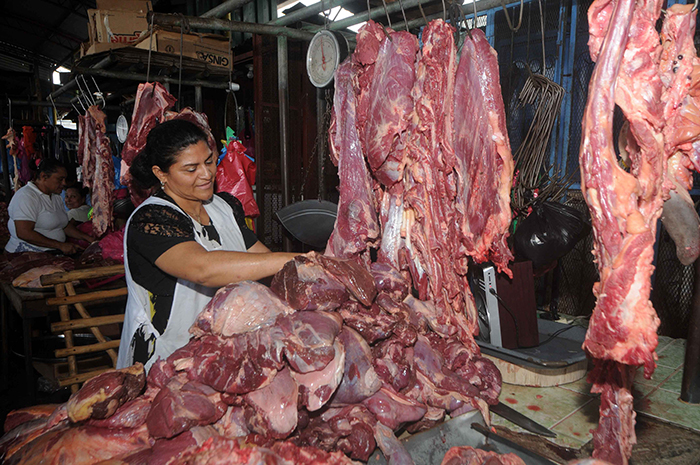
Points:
(28, 305)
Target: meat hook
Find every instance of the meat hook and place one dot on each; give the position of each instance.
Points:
(388, 20)
(444, 11)
(99, 93)
(405, 21)
(88, 91)
(422, 13)
(520, 19)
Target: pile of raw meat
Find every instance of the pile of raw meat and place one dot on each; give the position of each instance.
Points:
(330, 371)
(152, 107)
(95, 158)
(26, 268)
(326, 365)
(654, 80)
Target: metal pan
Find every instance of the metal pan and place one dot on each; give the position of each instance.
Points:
(309, 221)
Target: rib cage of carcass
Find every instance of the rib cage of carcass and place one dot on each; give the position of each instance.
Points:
(338, 354)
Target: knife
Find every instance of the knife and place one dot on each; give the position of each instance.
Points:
(521, 420)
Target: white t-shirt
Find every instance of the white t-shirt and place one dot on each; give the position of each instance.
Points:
(79, 214)
(46, 211)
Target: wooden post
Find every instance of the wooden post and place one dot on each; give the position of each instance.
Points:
(95, 331)
(65, 316)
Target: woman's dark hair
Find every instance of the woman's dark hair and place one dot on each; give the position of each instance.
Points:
(163, 145)
(48, 166)
(83, 191)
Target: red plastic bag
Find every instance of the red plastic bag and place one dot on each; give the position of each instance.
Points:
(236, 175)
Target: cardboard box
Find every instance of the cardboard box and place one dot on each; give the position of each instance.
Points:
(125, 5)
(212, 50)
(113, 26)
(90, 48)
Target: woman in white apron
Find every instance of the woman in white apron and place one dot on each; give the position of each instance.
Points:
(181, 244)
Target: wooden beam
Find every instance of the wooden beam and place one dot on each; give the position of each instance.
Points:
(87, 297)
(86, 323)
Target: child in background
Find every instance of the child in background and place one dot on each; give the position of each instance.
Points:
(75, 201)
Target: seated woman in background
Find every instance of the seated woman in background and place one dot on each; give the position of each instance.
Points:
(38, 220)
(78, 210)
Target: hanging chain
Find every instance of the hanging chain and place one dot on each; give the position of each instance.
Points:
(150, 47)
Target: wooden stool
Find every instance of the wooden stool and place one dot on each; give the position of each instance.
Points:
(67, 297)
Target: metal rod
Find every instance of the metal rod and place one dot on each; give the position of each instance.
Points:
(142, 78)
(33, 103)
(68, 86)
(168, 20)
(198, 98)
(283, 95)
(690, 386)
(225, 8)
(307, 12)
(321, 139)
(396, 7)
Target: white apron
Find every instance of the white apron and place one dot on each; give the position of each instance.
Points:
(189, 298)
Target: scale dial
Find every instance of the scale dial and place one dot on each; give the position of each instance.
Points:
(326, 51)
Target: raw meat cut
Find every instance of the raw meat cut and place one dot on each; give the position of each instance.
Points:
(181, 405)
(12, 265)
(624, 208)
(305, 285)
(354, 275)
(390, 103)
(360, 381)
(81, 445)
(200, 119)
(308, 339)
(356, 223)
(102, 395)
(274, 407)
(678, 66)
(32, 278)
(467, 455)
(234, 365)
(238, 308)
(17, 417)
(152, 101)
(614, 437)
(484, 160)
(317, 387)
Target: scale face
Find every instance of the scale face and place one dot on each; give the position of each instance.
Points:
(326, 51)
(122, 128)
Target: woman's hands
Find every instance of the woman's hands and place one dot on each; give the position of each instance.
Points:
(69, 248)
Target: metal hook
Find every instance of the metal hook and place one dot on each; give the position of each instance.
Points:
(9, 105)
(369, 17)
(464, 18)
(422, 13)
(81, 93)
(405, 21)
(444, 11)
(695, 6)
(99, 94)
(89, 92)
(387, 13)
(75, 108)
(55, 111)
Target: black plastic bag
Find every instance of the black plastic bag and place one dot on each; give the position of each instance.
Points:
(549, 232)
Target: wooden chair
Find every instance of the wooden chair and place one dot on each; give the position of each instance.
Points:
(65, 298)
